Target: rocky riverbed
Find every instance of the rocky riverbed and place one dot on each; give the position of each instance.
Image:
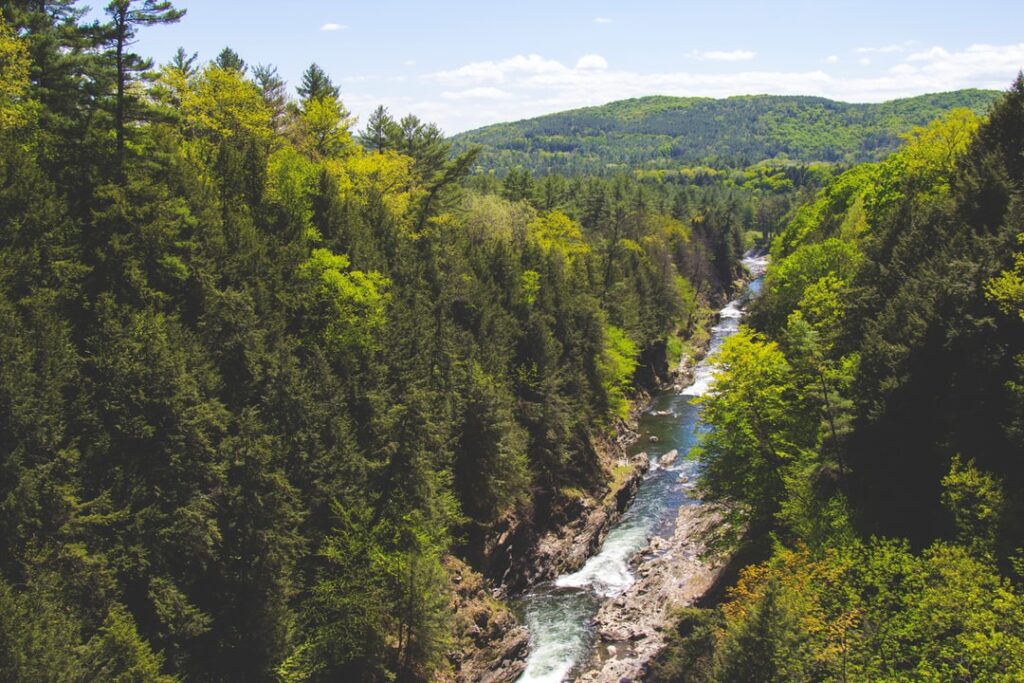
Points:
(670, 574)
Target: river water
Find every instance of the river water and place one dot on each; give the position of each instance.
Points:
(559, 614)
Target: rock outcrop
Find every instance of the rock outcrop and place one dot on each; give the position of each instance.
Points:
(489, 643)
(670, 574)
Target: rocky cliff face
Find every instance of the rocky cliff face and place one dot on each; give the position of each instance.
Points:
(527, 547)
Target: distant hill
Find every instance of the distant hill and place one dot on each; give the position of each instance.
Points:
(668, 132)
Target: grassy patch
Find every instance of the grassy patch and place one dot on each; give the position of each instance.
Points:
(619, 475)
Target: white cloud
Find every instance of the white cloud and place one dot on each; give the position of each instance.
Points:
(864, 61)
(333, 27)
(482, 72)
(477, 94)
(724, 55)
(592, 62)
(602, 20)
(409, 62)
(832, 59)
(982, 66)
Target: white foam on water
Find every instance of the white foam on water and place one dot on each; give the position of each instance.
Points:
(702, 376)
(757, 265)
(607, 573)
(732, 311)
(550, 662)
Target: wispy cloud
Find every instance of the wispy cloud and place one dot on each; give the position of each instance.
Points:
(724, 55)
(905, 46)
(602, 20)
(477, 94)
(832, 59)
(333, 27)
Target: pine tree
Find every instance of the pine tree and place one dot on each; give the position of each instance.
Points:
(316, 85)
(274, 91)
(126, 17)
(229, 60)
(381, 131)
(184, 63)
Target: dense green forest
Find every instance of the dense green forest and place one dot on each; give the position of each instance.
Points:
(673, 133)
(260, 373)
(864, 435)
(267, 378)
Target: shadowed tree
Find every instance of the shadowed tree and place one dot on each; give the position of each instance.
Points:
(126, 17)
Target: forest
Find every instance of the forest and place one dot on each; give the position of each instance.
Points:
(262, 374)
(268, 375)
(864, 432)
(674, 134)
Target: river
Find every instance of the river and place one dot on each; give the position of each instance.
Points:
(559, 614)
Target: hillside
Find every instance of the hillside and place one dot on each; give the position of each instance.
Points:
(666, 132)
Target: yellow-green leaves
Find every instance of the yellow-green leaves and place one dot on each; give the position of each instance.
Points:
(220, 104)
(490, 218)
(811, 279)
(617, 365)
(291, 178)
(325, 124)
(353, 301)
(922, 170)
(1007, 289)
(975, 498)
(872, 612)
(753, 414)
(531, 285)
(933, 150)
(381, 184)
(554, 231)
(14, 63)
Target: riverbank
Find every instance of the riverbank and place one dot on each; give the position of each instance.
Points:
(671, 574)
(491, 644)
(579, 578)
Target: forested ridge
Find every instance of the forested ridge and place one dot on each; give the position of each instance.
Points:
(262, 373)
(864, 433)
(673, 134)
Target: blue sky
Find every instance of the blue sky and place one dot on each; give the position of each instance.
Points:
(466, 64)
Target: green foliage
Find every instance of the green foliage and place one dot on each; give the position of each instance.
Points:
(257, 382)
(353, 301)
(755, 432)
(325, 122)
(616, 366)
(14, 71)
(873, 612)
(554, 230)
(689, 649)
(673, 132)
(490, 456)
(976, 501)
(890, 319)
(809, 281)
(316, 85)
(117, 653)
(1007, 289)
(38, 637)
